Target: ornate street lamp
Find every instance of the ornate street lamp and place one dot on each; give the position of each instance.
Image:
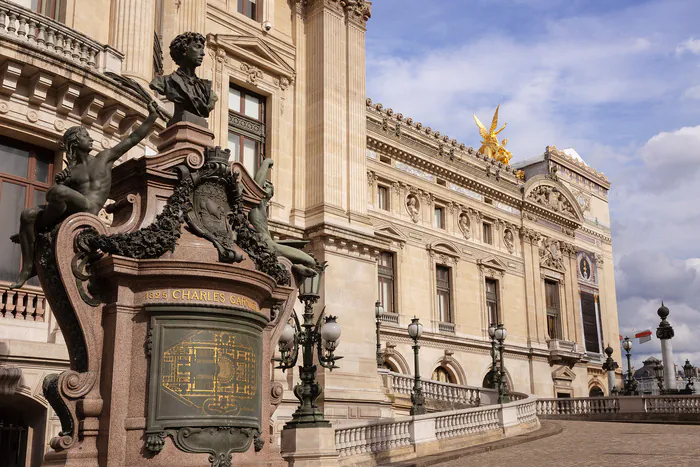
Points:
(325, 337)
(500, 335)
(659, 375)
(494, 356)
(415, 329)
(688, 373)
(610, 366)
(378, 312)
(630, 384)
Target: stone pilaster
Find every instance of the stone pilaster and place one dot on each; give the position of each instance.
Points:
(665, 333)
(532, 280)
(183, 16)
(132, 34)
(335, 114)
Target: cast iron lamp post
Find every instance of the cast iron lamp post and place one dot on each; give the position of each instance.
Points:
(415, 329)
(494, 356)
(308, 414)
(378, 312)
(688, 373)
(630, 384)
(500, 334)
(659, 374)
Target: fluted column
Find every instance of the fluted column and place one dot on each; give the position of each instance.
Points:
(132, 34)
(184, 16)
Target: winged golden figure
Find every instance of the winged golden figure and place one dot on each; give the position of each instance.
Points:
(490, 144)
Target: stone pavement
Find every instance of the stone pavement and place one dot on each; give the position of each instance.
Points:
(596, 444)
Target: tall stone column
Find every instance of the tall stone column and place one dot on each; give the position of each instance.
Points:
(183, 16)
(335, 113)
(665, 333)
(133, 26)
(610, 366)
(530, 257)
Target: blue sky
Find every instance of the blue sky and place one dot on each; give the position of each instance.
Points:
(619, 81)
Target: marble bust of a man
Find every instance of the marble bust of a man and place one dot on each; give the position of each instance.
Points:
(193, 97)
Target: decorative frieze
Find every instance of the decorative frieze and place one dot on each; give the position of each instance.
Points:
(551, 254)
(552, 199)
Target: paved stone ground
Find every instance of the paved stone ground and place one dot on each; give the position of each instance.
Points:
(598, 444)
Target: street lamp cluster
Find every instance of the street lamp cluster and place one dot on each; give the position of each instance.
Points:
(631, 385)
(325, 337)
(498, 334)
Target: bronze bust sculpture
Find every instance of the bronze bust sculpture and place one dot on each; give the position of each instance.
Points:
(83, 186)
(193, 97)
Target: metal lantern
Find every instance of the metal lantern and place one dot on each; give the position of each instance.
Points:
(415, 329)
(627, 344)
(659, 371)
(378, 309)
(688, 369)
(310, 286)
(330, 332)
(500, 333)
(492, 330)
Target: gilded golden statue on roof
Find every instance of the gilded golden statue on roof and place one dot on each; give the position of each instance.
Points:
(490, 144)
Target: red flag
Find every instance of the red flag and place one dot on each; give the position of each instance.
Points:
(644, 336)
(620, 336)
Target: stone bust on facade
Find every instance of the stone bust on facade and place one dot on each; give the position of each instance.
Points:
(464, 225)
(412, 207)
(509, 240)
(193, 97)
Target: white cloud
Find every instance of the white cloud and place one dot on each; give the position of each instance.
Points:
(690, 45)
(692, 93)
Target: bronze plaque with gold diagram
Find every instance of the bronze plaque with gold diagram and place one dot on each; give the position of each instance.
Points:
(205, 378)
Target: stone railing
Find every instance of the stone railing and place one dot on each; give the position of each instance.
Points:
(446, 327)
(26, 303)
(392, 318)
(25, 26)
(578, 406)
(369, 442)
(672, 404)
(638, 408)
(444, 392)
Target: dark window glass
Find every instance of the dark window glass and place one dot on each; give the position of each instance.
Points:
(14, 161)
(553, 306)
(444, 305)
(246, 136)
(54, 9)
(248, 8)
(443, 375)
(492, 301)
(488, 233)
(439, 219)
(24, 178)
(386, 281)
(590, 322)
(383, 197)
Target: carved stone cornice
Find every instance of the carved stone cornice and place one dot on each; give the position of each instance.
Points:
(354, 10)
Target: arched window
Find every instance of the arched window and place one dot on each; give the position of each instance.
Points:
(596, 392)
(389, 365)
(490, 381)
(443, 375)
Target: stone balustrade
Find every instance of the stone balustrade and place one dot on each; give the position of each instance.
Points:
(373, 436)
(445, 392)
(675, 407)
(672, 404)
(372, 441)
(25, 26)
(27, 303)
(578, 406)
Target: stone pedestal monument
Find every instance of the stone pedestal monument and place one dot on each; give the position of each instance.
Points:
(171, 314)
(665, 333)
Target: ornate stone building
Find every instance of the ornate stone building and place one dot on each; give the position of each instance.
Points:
(399, 211)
